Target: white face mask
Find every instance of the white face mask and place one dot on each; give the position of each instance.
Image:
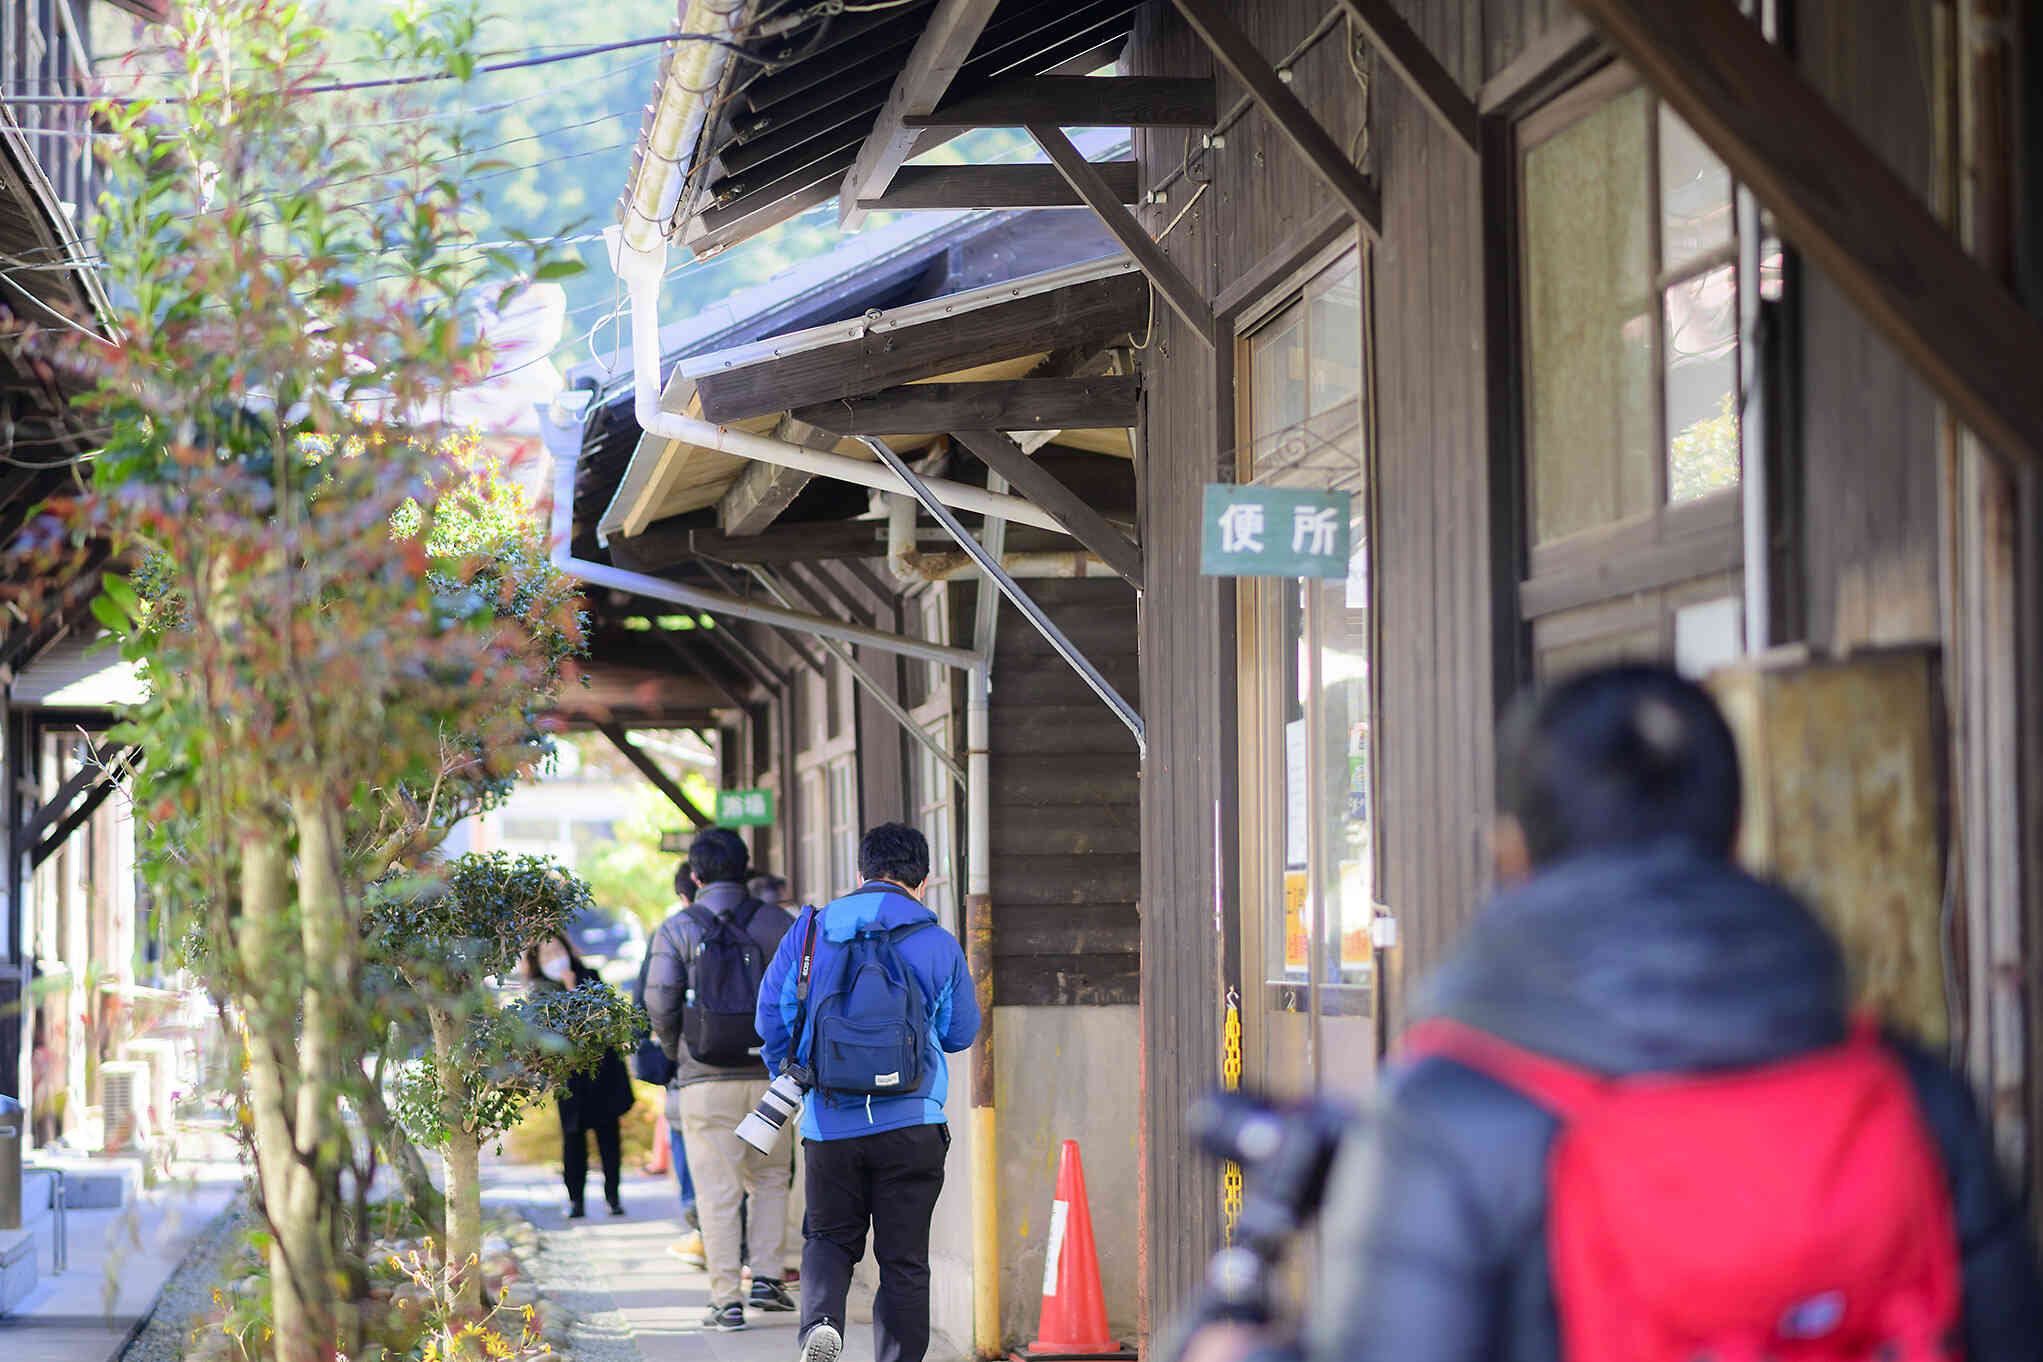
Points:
(555, 969)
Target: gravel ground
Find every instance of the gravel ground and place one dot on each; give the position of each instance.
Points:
(564, 1274)
(190, 1289)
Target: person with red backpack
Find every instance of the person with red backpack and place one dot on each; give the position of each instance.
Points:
(1634, 1119)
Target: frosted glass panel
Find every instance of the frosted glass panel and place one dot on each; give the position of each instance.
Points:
(1589, 322)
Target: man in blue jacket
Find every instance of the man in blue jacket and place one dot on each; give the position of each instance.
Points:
(871, 1159)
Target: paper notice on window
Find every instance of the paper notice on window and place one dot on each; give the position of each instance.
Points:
(1297, 793)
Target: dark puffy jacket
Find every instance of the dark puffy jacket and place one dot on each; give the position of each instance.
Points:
(1654, 961)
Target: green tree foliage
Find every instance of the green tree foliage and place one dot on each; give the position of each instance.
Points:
(348, 631)
(447, 933)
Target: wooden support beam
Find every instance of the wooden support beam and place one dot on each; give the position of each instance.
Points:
(1032, 480)
(1093, 311)
(764, 490)
(95, 767)
(1082, 102)
(1322, 153)
(814, 580)
(918, 188)
(947, 39)
(1185, 300)
(1406, 53)
(1013, 404)
(102, 784)
(650, 769)
(1838, 202)
(689, 661)
(666, 545)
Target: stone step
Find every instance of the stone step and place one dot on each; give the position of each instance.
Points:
(17, 1268)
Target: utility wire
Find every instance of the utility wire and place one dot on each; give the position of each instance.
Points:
(390, 82)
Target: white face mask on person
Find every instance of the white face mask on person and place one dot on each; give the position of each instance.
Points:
(555, 969)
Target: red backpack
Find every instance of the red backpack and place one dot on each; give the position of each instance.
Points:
(1793, 1213)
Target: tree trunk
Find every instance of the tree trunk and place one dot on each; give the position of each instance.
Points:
(420, 1196)
(463, 1160)
(331, 948)
(276, 1083)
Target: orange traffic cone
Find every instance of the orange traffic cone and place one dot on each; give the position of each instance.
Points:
(661, 1158)
(1074, 1320)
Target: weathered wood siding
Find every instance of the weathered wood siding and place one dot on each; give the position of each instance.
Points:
(1066, 791)
(1870, 502)
(1432, 544)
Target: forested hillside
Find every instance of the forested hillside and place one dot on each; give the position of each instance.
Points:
(562, 134)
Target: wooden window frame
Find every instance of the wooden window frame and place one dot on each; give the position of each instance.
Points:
(1259, 617)
(1636, 564)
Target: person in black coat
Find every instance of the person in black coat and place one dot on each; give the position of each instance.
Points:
(595, 1099)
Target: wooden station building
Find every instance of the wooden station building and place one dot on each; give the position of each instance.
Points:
(1612, 328)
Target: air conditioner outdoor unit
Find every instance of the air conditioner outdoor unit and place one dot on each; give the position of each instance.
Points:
(123, 1096)
(162, 1058)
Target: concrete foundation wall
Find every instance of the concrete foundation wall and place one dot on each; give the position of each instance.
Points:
(1066, 1073)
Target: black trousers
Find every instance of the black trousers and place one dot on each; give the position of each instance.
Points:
(574, 1159)
(890, 1182)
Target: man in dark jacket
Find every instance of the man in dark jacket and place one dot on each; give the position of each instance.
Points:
(735, 1185)
(1623, 941)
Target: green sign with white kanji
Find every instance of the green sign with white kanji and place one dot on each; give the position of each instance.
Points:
(1274, 532)
(744, 808)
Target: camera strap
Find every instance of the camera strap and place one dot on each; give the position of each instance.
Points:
(802, 973)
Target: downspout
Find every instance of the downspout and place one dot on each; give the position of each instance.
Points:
(986, 1330)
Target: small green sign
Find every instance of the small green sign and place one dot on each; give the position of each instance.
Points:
(744, 808)
(1274, 532)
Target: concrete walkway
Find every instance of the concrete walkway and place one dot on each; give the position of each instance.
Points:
(120, 1259)
(660, 1302)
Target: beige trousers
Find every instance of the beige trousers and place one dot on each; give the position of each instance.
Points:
(726, 1171)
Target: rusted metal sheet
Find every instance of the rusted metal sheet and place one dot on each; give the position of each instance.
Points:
(1842, 804)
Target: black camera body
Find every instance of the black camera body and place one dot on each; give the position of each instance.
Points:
(1286, 1153)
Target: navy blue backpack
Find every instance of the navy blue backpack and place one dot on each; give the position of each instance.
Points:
(871, 1034)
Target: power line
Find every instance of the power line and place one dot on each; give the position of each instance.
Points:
(389, 82)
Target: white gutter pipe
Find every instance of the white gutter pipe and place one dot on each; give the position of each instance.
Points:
(910, 565)
(717, 602)
(696, 67)
(641, 271)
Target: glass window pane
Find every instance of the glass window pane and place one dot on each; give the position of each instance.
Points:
(1695, 195)
(1342, 727)
(1702, 384)
(1278, 392)
(1589, 329)
(1291, 950)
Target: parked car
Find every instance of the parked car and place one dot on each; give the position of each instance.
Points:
(614, 943)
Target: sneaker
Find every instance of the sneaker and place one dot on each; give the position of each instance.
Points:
(576, 1211)
(725, 1319)
(767, 1294)
(823, 1344)
(688, 1248)
(791, 1276)
(616, 1206)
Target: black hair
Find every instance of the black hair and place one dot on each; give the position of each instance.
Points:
(718, 856)
(529, 966)
(685, 887)
(894, 851)
(1619, 756)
